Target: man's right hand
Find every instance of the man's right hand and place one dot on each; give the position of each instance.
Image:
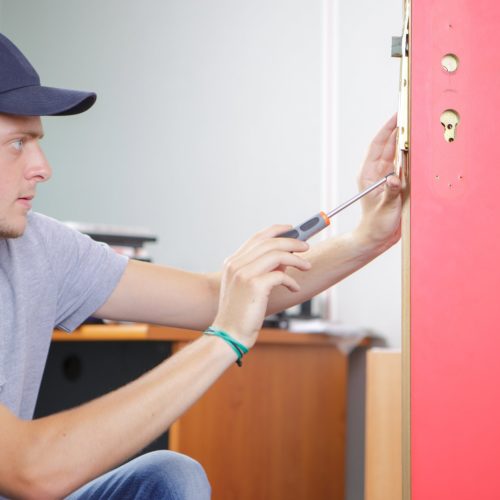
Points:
(250, 275)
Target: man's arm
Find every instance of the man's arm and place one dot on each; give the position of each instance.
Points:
(168, 296)
(163, 295)
(379, 228)
(53, 456)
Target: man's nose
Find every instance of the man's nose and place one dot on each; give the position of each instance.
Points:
(38, 168)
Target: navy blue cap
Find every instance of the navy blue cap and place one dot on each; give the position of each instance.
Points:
(22, 94)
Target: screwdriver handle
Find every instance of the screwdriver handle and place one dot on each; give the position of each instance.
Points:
(308, 228)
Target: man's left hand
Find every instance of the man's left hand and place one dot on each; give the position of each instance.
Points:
(381, 219)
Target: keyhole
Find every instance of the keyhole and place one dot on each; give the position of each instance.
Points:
(449, 120)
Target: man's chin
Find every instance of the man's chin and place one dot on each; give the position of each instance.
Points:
(12, 230)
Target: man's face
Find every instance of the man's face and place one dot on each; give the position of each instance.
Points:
(22, 166)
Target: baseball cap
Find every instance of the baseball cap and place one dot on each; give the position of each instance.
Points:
(21, 92)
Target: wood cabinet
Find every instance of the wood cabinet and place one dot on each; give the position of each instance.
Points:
(383, 472)
(272, 429)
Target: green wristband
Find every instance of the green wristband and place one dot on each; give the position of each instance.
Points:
(236, 346)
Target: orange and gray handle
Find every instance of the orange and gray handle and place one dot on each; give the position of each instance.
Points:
(308, 228)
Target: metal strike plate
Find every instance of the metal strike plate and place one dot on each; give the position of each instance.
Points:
(403, 121)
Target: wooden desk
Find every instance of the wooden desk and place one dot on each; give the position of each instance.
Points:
(273, 429)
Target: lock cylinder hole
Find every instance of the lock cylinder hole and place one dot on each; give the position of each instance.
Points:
(449, 120)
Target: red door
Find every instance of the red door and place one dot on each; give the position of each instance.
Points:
(455, 251)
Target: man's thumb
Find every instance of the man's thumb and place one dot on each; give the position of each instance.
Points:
(392, 189)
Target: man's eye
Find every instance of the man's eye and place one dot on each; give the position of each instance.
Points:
(18, 144)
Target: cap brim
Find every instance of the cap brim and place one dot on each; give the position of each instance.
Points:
(45, 101)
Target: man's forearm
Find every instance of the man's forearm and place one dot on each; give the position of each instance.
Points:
(332, 261)
(147, 292)
(61, 452)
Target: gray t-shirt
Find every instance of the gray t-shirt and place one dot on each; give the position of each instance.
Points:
(50, 277)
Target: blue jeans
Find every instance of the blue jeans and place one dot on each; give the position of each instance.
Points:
(160, 474)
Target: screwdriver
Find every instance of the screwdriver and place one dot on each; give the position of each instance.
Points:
(321, 220)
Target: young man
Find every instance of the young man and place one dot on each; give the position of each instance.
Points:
(51, 276)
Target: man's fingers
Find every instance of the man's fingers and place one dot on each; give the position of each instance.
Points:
(269, 262)
(378, 144)
(392, 188)
(384, 133)
(390, 147)
(289, 245)
(271, 232)
(265, 234)
(385, 164)
(270, 280)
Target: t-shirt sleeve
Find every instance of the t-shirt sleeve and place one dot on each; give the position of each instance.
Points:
(86, 272)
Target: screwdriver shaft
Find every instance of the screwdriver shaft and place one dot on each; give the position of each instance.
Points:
(335, 211)
(321, 220)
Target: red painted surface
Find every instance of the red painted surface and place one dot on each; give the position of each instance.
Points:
(455, 253)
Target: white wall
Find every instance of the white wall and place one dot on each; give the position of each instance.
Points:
(209, 121)
(367, 96)
(207, 125)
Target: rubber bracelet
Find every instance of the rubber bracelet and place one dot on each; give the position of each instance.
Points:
(236, 346)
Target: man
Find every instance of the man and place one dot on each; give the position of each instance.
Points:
(51, 276)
